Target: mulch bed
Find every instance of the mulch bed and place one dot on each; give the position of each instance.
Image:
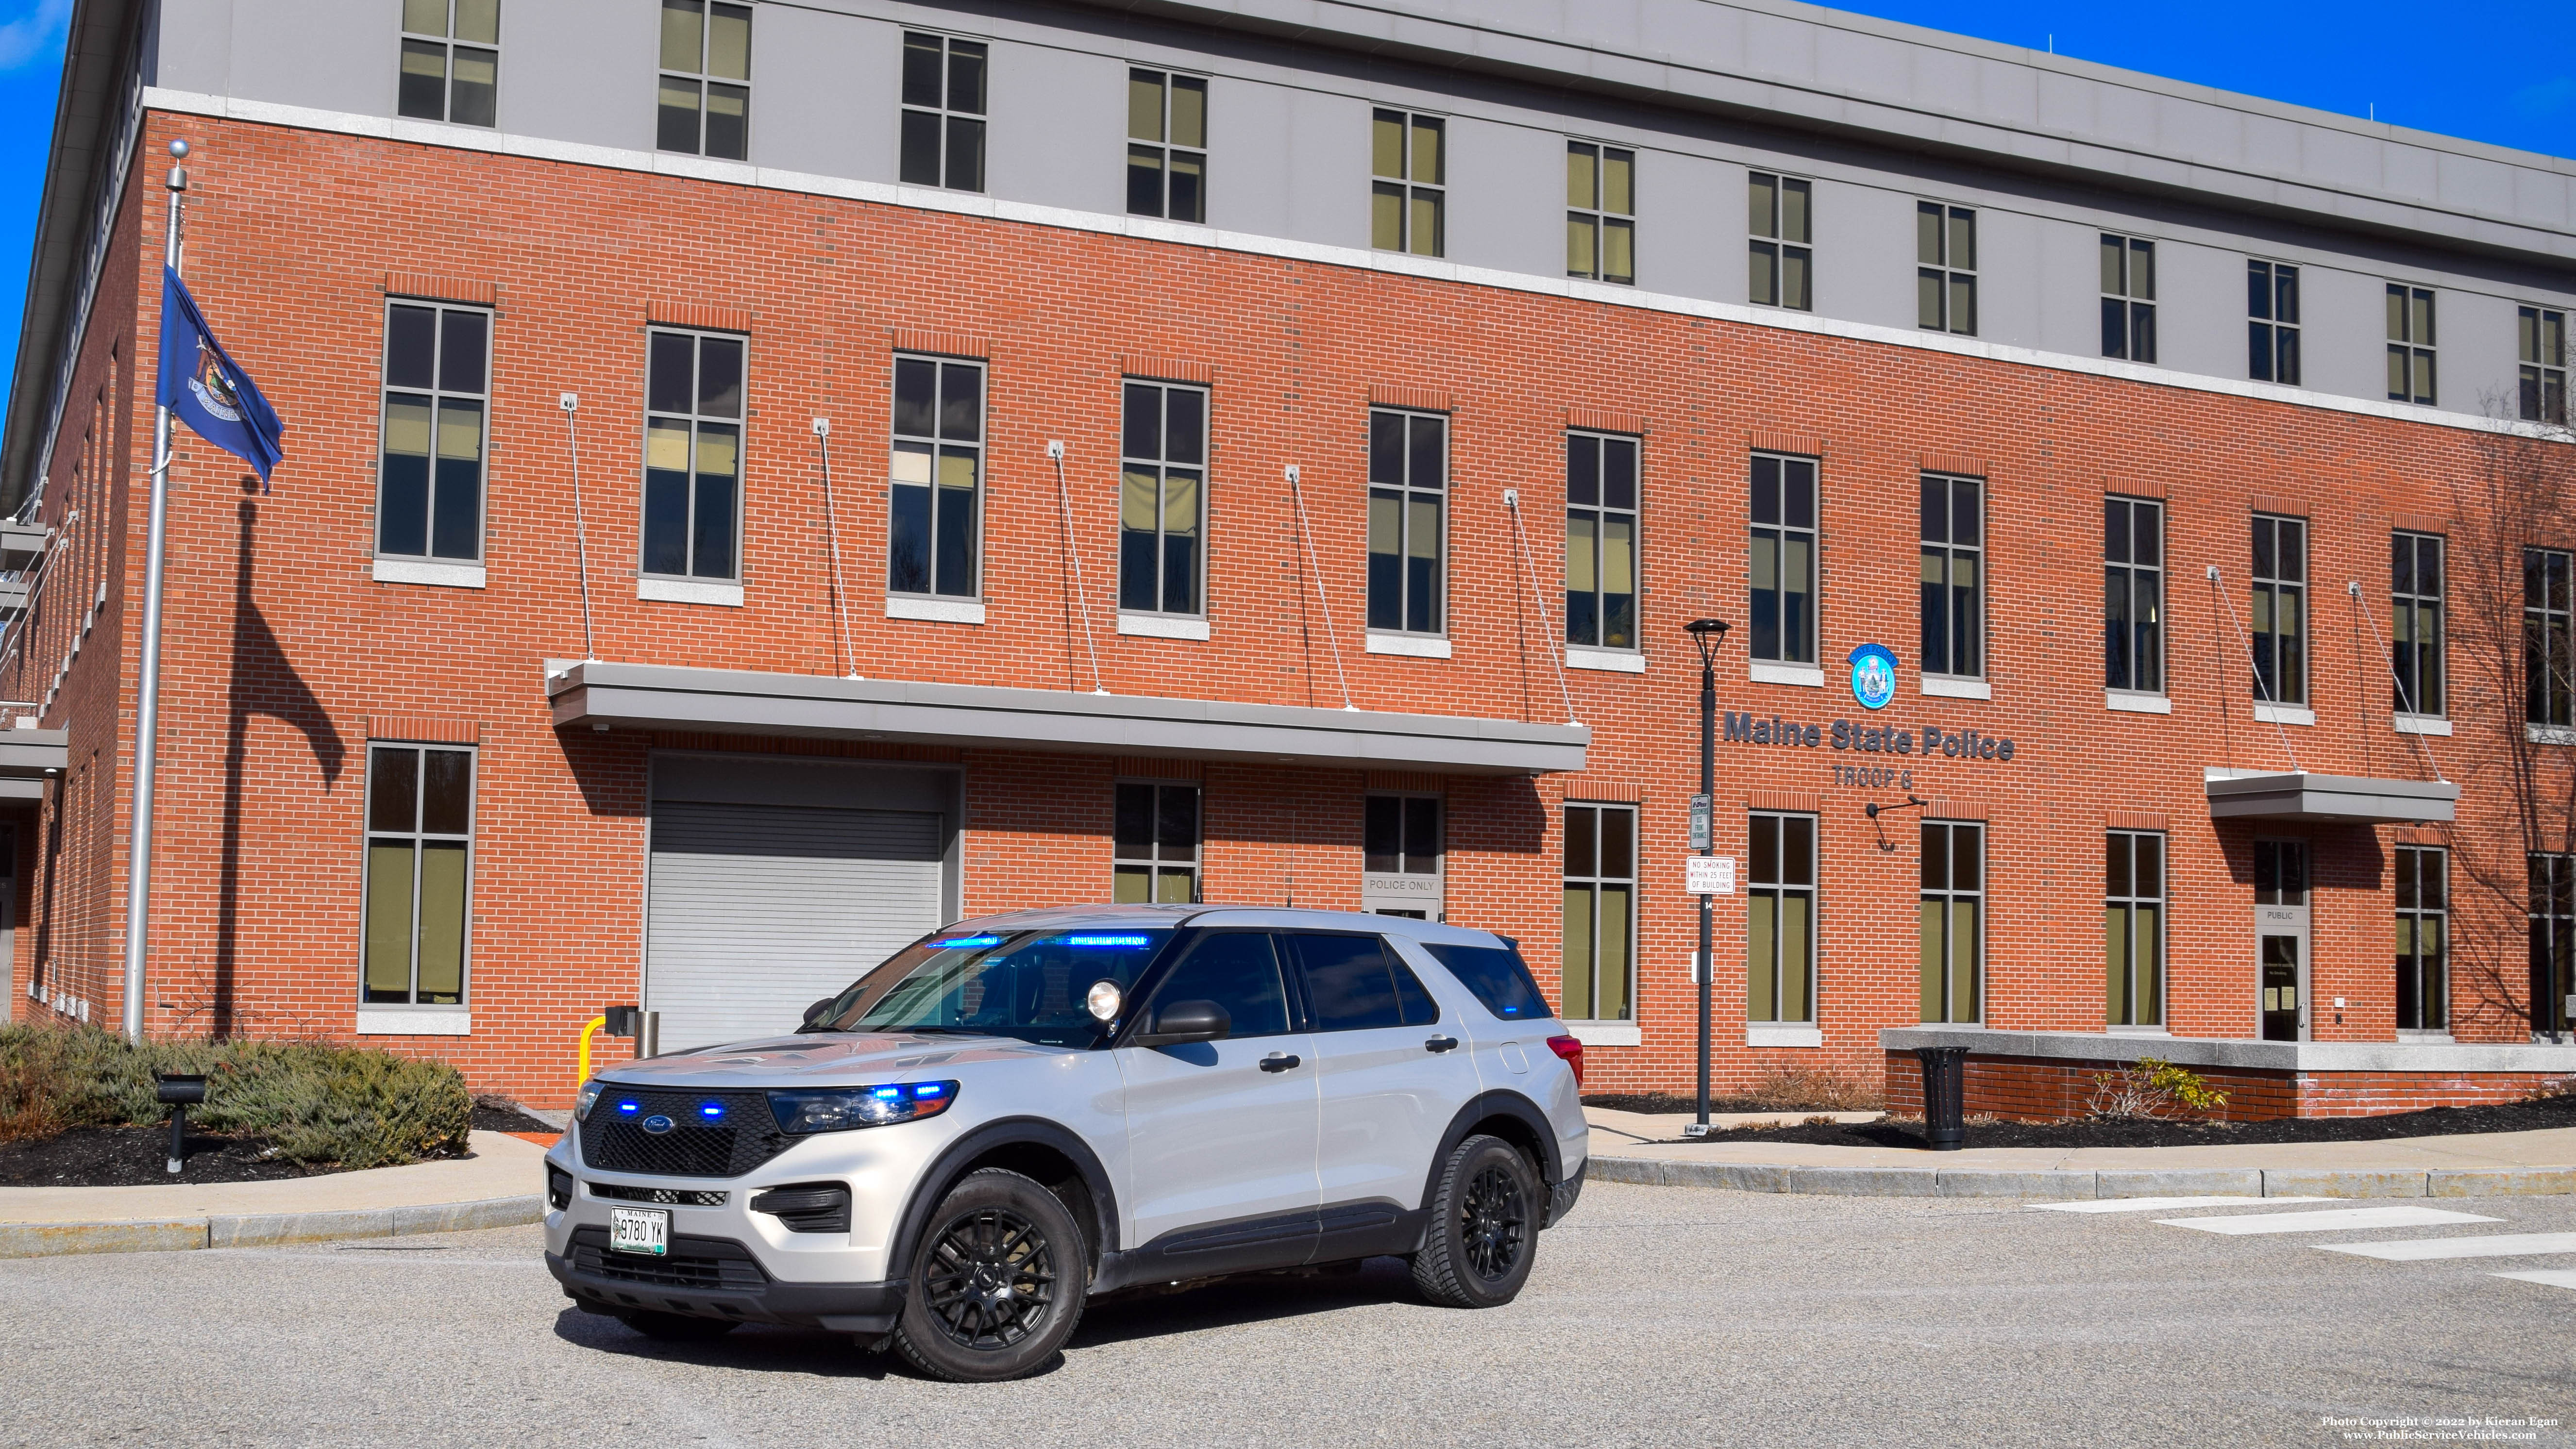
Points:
(497, 1114)
(2530, 1116)
(134, 1157)
(1661, 1102)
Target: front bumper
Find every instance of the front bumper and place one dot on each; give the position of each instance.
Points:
(707, 1277)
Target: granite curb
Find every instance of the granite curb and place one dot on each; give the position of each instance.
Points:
(2063, 1183)
(258, 1230)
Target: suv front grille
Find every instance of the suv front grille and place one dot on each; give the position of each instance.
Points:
(742, 1138)
(706, 1264)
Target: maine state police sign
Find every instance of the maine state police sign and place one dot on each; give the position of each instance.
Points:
(1873, 676)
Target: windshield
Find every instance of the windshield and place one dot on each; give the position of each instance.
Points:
(1029, 985)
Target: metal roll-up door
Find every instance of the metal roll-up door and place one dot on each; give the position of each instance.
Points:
(756, 910)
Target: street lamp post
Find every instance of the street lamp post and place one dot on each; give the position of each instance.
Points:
(1708, 634)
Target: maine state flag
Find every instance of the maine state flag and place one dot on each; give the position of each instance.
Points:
(203, 387)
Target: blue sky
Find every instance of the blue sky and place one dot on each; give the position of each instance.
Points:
(2503, 72)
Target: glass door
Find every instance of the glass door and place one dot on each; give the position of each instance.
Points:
(2281, 938)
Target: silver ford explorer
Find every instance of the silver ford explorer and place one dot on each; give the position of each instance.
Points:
(1021, 1112)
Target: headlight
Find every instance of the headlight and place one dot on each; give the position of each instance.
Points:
(839, 1109)
(581, 1105)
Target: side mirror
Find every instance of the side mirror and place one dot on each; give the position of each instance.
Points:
(1186, 1021)
(817, 1012)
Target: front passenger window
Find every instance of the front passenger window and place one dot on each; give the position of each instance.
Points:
(1353, 983)
(1239, 971)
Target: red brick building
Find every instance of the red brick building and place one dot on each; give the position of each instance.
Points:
(942, 553)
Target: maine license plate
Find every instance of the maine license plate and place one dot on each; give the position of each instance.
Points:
(640, 1230)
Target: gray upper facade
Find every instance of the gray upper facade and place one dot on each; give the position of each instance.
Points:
(2050, 153)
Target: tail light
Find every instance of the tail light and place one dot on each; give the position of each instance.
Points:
(1572, 1051)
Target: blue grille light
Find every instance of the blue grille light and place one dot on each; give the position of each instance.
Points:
(961, 942)
(928, 1089)
(889, 1093)
(1105, 940)
(712, 1109)
(630, 1106)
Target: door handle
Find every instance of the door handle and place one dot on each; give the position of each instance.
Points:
(1441, 1044)
(1278, 1062)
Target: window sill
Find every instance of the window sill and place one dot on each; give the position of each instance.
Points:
(1614, 661)
(2297, 714)
(2131, 701)
(2421, 724)
(1162, 626)
(2154, 1031)
(422, 571)
(415, 1021)
(1809, 676)
(2540, 734)
(1941, 686)
(2424, 1038)
(690, 591)
(1604, 1033)
(937, 611)
(1413, 646)
(1783, 1034)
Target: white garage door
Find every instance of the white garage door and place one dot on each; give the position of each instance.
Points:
(757, 909)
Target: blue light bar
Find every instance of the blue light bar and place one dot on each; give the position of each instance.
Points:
(961, 942)
(928, 1089)
(630, 1106)
(889, 1093)
(1107, 940)
(712, 1109)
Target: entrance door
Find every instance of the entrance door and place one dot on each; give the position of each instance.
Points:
(2281, 937)
(1400, 871)
(774, 882)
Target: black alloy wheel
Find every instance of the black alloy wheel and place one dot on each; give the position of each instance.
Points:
(1480, 1244)
(997, 1281)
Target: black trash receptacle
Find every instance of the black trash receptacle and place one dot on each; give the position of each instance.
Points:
(1945, 1072)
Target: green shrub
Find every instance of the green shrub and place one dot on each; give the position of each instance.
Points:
(317, 1104)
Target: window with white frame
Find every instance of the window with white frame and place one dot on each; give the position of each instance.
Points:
(1783, 563)
(2133, 927)
(1162, 498)
(1407, 513)
(1953, 583)
(1600, 540)
(2280, 617)
(693, 414)
(1780, 919)
(430, 478)
(2423, 939)
(420, 836)
(2415, 622)
(937, 493)
(705, 105)
(2133, 593)
(1952, 937)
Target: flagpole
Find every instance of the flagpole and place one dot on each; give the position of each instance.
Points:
(147, 728)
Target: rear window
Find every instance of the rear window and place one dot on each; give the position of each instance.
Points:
(1497, 976)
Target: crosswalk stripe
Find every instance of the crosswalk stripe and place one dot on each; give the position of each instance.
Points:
(2331, 1220)
(2161, 1204)
(2553, 1277)
(2496, 1245)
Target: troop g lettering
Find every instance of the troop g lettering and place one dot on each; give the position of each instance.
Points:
(1743, 728)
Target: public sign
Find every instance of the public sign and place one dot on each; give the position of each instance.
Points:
(1711, 875)
(1699, 839)
(1873, 675)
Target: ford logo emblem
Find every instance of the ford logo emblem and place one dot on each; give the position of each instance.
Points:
(657, 1124)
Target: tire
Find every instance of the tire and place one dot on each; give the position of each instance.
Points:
(1484, 1227)
(997, 1281)
(676, 1327)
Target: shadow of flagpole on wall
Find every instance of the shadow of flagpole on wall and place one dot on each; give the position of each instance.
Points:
(263, 681)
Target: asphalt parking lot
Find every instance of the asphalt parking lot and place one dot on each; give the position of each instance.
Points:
(1656, 1316)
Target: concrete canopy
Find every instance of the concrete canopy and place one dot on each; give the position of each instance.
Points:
(743, 702)
(2331, 799)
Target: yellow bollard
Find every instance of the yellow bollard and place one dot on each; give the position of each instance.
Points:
(595, 1024)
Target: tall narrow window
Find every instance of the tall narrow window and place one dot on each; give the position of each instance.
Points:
(1162, 498)
(938, 477)
(1407, 199)
(1408, 494)
(429, 499)
(1600, 541)
(2552, 903)
(2280, 609)
(706, 79)
(943, 112)
(1166, 145)
(2133, 595)
(2542, 332)
(2423, 939)
(451, 61)
(1954, 619)
(1600, 911)
(1784, 559)
(1780, 919)
(2133, 927)
(1155, 844)
(1953, 925)
(1400, 856)
(1945, 280)
(2272, 322)
(420, 832)
(1600, 212)
(1780, 267)
(2128, 298)
(2415, 622)
(692, 455)
(2548, 663)
(2410, 343)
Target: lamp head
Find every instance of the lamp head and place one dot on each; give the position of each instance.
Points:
(1708, 634)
